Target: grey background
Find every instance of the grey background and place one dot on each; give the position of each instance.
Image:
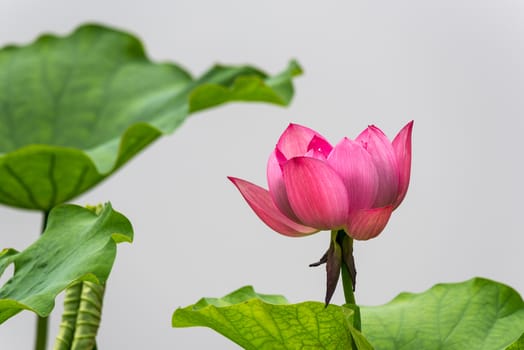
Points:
(454, 66)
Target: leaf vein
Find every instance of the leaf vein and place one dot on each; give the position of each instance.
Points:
(22, 184)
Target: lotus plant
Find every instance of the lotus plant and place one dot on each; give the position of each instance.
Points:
(350, 189)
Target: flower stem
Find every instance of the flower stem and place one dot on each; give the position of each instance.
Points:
(349, 295)
(348, 262)
(42, 323)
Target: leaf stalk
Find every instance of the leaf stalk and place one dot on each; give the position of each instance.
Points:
(42, 323)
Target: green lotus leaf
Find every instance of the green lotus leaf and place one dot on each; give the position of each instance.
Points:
(257, 321)
(518, 345)
(77, 245)
(476, 314)
(74, 109)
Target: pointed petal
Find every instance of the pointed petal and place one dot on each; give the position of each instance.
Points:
(320, 147)
(260, 201)
(402, 148)
(357, 169)
(383, 155)
(316, 193)
(295, 140)
(275, 182)
(368, 223)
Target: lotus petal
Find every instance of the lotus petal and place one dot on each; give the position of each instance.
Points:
(356, 167)
(381, 150)
(402, 148)
(316, 193)
(368, 223)
(295, 140)
(260, 201)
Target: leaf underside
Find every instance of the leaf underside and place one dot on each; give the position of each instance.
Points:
(77, 245)
(477, 314)
(73, 109)
(256, 321)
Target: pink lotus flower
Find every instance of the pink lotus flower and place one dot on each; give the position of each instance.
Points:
(314, 186)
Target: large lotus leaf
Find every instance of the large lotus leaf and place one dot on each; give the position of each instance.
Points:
(257, 321)
(77, 245)
(518, 345)
(73, 109)
(477, 314)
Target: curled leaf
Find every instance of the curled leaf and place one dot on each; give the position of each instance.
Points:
(77, 245)
(74, 109)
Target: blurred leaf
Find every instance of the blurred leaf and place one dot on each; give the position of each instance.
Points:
(257, 321)
(76, 245)
(74, 109)
(476, 314)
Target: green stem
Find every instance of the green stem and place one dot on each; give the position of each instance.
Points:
(346, 243)
(88, 318)
(41, 333)
(349, 295)
(81, 317)
(42, 323)
(66, 331)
